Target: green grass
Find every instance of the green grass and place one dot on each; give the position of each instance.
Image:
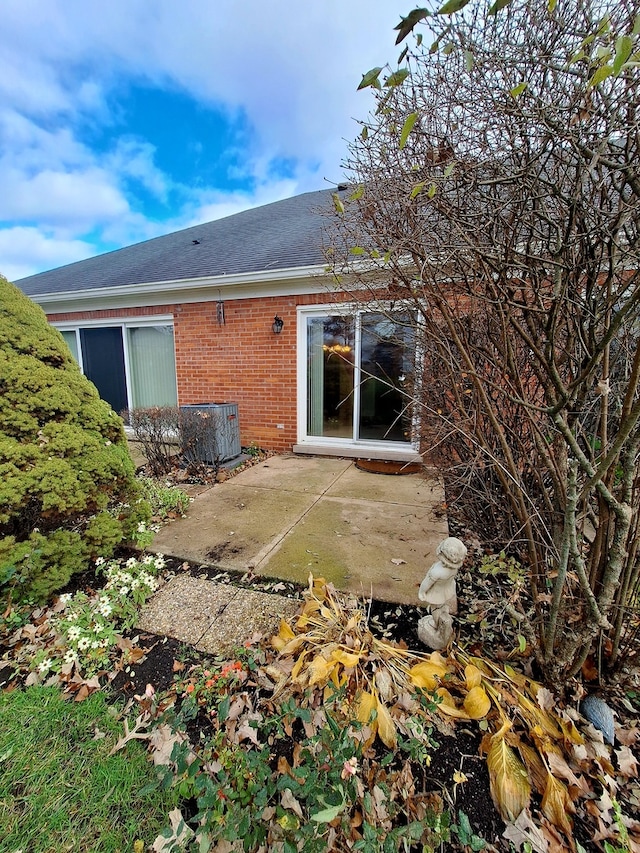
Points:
(59, 788)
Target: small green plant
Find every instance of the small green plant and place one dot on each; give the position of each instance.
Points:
(466, 835)
(166, 501)
(253, 450)
(494, 564)
(86, 625)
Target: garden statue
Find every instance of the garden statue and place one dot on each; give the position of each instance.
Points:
(438, 590)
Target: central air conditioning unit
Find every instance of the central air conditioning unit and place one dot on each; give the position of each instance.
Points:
(210, 433)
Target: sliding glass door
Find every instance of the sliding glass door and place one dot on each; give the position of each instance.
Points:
(358, 374)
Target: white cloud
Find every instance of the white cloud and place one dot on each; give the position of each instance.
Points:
(43, 251)
(290, 69)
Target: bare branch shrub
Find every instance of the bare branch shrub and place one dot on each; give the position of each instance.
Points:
(157, 430)
(506, 220)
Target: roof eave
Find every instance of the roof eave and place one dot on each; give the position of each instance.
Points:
(308, 279)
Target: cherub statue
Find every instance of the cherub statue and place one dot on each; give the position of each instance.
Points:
(438, 590)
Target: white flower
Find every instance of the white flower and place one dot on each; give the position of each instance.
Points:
(65, 598)
(74, 632)
(98, 628)
(148, 560)
(124, 590)
(84, 643)
(95, 644)
(104, 643)
(71, 656)
(100, 561)
(45, 665)
(135, 583)
(132, 562)
(105, 609)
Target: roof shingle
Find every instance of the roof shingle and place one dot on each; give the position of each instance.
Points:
(280, 235)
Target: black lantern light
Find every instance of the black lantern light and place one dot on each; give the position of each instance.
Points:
(277, 325)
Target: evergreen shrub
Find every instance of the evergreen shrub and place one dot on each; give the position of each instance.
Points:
(68, 491)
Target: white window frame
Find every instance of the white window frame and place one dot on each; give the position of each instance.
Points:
(356, 311)
(123, 323)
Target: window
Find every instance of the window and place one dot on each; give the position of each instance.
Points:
(132, 364)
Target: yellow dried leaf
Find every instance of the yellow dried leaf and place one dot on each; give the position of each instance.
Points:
(556, 803)
(536, 770)
(319, 670)
(366, 705)
(473, 676)
(448, 704)
(345, 658)
(318, 586)
(508, 780)
(427, 674)
(280, 640)
(293, 645)
(295, 672)
(477, 703)
(386, 726)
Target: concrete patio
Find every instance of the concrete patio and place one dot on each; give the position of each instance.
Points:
(371, 534)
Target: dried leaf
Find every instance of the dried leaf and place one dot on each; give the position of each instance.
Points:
(386, 726)
(535, 768)
(288, 801)
(347, 659)
(319, 670)
(477, 703)
(365, 706)
(627, 763)
(162, 740)
(509, 783)
(427, 674)
(284, 635)
(180, 835)
(545, 699)
(524, 831)
(472, 675)
(447, 704)
(556, 803)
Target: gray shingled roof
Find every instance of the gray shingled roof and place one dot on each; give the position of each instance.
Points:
(280, 235)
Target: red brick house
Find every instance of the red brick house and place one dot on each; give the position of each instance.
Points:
(239, 310)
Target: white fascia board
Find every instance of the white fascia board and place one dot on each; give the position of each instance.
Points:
(283, 282)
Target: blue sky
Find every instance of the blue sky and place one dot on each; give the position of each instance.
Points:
(124, 120)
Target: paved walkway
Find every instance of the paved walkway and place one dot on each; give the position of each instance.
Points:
(290, 516)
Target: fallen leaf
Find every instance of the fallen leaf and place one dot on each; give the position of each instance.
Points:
(162, 740)
(477, 703)
(180, 835)
(556, 804)
(365, 706)
(472, 675)
(545, 699)
(524, 831)
(447, 704)
(247, 731)
(288, 801)
(508, 780)
(427, 674)
(397, 561)
(386, 726)
(627, 762)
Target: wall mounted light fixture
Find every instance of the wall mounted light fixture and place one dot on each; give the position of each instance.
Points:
(277, 325)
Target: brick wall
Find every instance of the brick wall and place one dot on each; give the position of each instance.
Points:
(242, 361)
